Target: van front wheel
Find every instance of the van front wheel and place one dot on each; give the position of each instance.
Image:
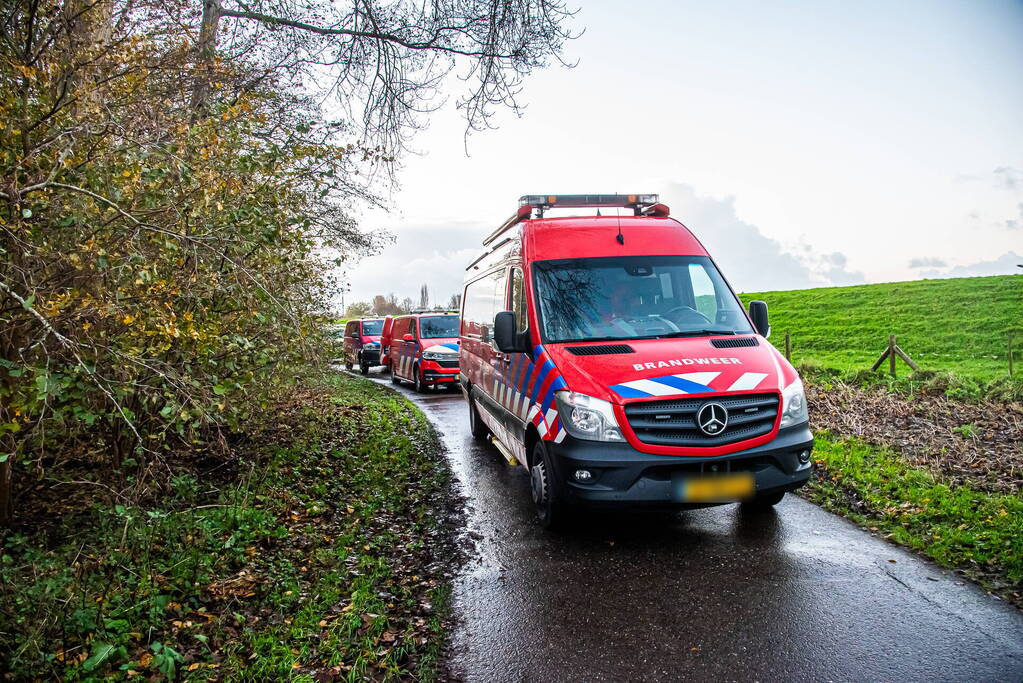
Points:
(477, 428)
(550, 509)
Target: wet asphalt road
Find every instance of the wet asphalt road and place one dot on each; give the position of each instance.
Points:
(711, 594)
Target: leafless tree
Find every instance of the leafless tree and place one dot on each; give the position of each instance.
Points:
(384, 61)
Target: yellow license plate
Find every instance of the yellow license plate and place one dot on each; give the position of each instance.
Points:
(724, 488)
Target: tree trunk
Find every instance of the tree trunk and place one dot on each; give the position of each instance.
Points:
(6, 494)
(206, 48)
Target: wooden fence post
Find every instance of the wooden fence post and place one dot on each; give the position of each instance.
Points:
(788, 348)
(891, 354)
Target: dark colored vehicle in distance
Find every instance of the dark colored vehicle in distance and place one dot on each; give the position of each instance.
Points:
(362, 343)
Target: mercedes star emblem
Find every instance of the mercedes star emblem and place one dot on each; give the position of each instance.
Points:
(712, 419)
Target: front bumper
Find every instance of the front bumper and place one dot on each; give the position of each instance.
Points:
(622, 475)
(371, 356)
(434, 373)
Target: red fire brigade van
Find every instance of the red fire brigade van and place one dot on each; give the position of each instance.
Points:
(610, 357)
(362, 344)
(424, 349)
(385, 343)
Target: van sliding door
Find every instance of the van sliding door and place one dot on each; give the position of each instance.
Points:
(514, 365)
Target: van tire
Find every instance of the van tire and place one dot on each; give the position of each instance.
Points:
(348, 366)
(764, 501)
(394, 378)
(418, 380)
(545, 489)
(363, 368)
(477, 427)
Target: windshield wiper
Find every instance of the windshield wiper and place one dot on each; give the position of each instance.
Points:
(590, 339)
(691, 333)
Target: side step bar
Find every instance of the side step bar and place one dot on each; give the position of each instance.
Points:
(504, 451)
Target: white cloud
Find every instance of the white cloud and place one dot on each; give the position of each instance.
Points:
(1016, 223)
(1006, 264)
(928, 262)
(1008, 178)
(432, 253)
(750, 260)
(437, 254)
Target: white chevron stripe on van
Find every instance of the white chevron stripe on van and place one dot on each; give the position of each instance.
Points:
(748, 380)
(704, 378)
(652, 388)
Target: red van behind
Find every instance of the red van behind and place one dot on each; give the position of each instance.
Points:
(611, 358)
(424, 349)
(385, 343)
(362, 343)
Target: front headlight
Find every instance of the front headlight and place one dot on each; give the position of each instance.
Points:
(585, 417)
(793, 405)
(433, 355)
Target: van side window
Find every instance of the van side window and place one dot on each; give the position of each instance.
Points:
(350, 328)
(412, 328)
(519, 300)
(475, 306)
(484, 298)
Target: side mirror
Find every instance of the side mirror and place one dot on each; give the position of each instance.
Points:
(408, 337)
(504, 334)
(758, 312)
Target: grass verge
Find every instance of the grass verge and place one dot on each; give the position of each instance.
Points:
(923, 383)
(320, 551)
(976, 532)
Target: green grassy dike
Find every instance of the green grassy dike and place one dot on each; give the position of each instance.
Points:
(958, 325)
(318, 553)
(977, 532)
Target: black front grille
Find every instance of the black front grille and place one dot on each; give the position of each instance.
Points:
(673, 422)
(448, 363)
(734, 342)
(600, 349)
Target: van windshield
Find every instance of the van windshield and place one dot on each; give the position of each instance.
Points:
(634, 297)
(438, 327)
(372, 328)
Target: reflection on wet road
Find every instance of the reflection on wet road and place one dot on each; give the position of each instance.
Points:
(704, 594)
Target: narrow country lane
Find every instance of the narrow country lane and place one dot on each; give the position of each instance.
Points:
(713, 594)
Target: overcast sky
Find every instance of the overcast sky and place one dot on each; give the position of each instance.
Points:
(806, 143)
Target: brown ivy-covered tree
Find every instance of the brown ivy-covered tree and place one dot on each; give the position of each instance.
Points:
(170, 180)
